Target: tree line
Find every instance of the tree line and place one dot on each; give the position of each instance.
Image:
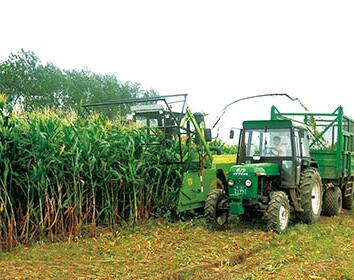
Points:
(30, 83)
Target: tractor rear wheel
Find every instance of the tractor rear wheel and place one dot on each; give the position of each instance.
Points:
(332, 201)
(310, 191)
(278, 212)
(215, 210)
(348, 201)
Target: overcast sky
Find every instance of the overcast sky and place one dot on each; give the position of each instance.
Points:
(216, 51)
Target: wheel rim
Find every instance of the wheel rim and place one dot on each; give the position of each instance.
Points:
(283, 217)
(221, 214)
(316, 198)
(221, 219)
(339, 204)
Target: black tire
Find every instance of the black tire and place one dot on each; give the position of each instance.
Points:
(215, 210)
(332, 201)
(277, 214)
(348, 201)
(309, 182)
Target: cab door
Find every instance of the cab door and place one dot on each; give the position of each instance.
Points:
(297, 154)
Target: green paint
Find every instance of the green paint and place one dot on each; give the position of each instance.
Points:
(239, 174)
(259, 174)
(193, 192)
(268, 169)
(267, 123)
(236, 207)
(335, 159)
(195, 189)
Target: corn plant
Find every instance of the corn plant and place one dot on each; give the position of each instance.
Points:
(61, 173)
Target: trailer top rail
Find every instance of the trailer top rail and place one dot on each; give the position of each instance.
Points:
(326, 129)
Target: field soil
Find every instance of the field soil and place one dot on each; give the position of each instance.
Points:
(189, 250)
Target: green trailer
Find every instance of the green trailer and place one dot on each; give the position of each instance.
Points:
(332, 146)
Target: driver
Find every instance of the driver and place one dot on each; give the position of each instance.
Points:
(278, 147)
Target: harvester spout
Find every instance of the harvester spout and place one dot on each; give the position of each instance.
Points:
(223, 111)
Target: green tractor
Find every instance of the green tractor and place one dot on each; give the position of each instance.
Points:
(274, 175)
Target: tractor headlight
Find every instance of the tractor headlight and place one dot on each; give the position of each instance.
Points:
(231, 182)
(248, 183)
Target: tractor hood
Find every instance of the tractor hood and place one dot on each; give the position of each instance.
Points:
(255, 169)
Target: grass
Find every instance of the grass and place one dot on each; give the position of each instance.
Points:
(189, 250)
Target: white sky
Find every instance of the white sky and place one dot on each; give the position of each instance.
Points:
(216, 51)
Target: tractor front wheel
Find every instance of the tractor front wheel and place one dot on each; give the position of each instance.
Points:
(278, 212)
(332, 201)
(216, 211)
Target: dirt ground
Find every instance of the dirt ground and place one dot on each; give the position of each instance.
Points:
(189, 250)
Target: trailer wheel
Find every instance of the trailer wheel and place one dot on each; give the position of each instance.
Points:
(332, 201)
(310, 191)
(277, 214)
(348, 201)
(215, 210)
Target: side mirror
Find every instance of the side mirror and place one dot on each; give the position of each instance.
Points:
(207, 135)
(232, 134)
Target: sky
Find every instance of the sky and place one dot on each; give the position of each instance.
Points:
(216, 51)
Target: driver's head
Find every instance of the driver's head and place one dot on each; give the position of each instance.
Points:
(276, 140)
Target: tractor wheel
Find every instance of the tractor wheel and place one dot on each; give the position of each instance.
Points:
(277, 214)
(215, 210)
(332, 201)
(310, 191)
(348, 201)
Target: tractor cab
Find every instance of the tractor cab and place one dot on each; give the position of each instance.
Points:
(275, 143)
(149, 115)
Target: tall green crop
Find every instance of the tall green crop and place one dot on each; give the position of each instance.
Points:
(59, 173)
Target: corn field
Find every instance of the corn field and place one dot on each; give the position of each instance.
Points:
(61, 174)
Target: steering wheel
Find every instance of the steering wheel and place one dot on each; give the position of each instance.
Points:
(271, 151)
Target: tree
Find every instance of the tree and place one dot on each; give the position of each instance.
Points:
(30, 83)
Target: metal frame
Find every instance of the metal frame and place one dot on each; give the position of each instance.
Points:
(145, 100)
(333, 119)
(177, 116)
(340, 124)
